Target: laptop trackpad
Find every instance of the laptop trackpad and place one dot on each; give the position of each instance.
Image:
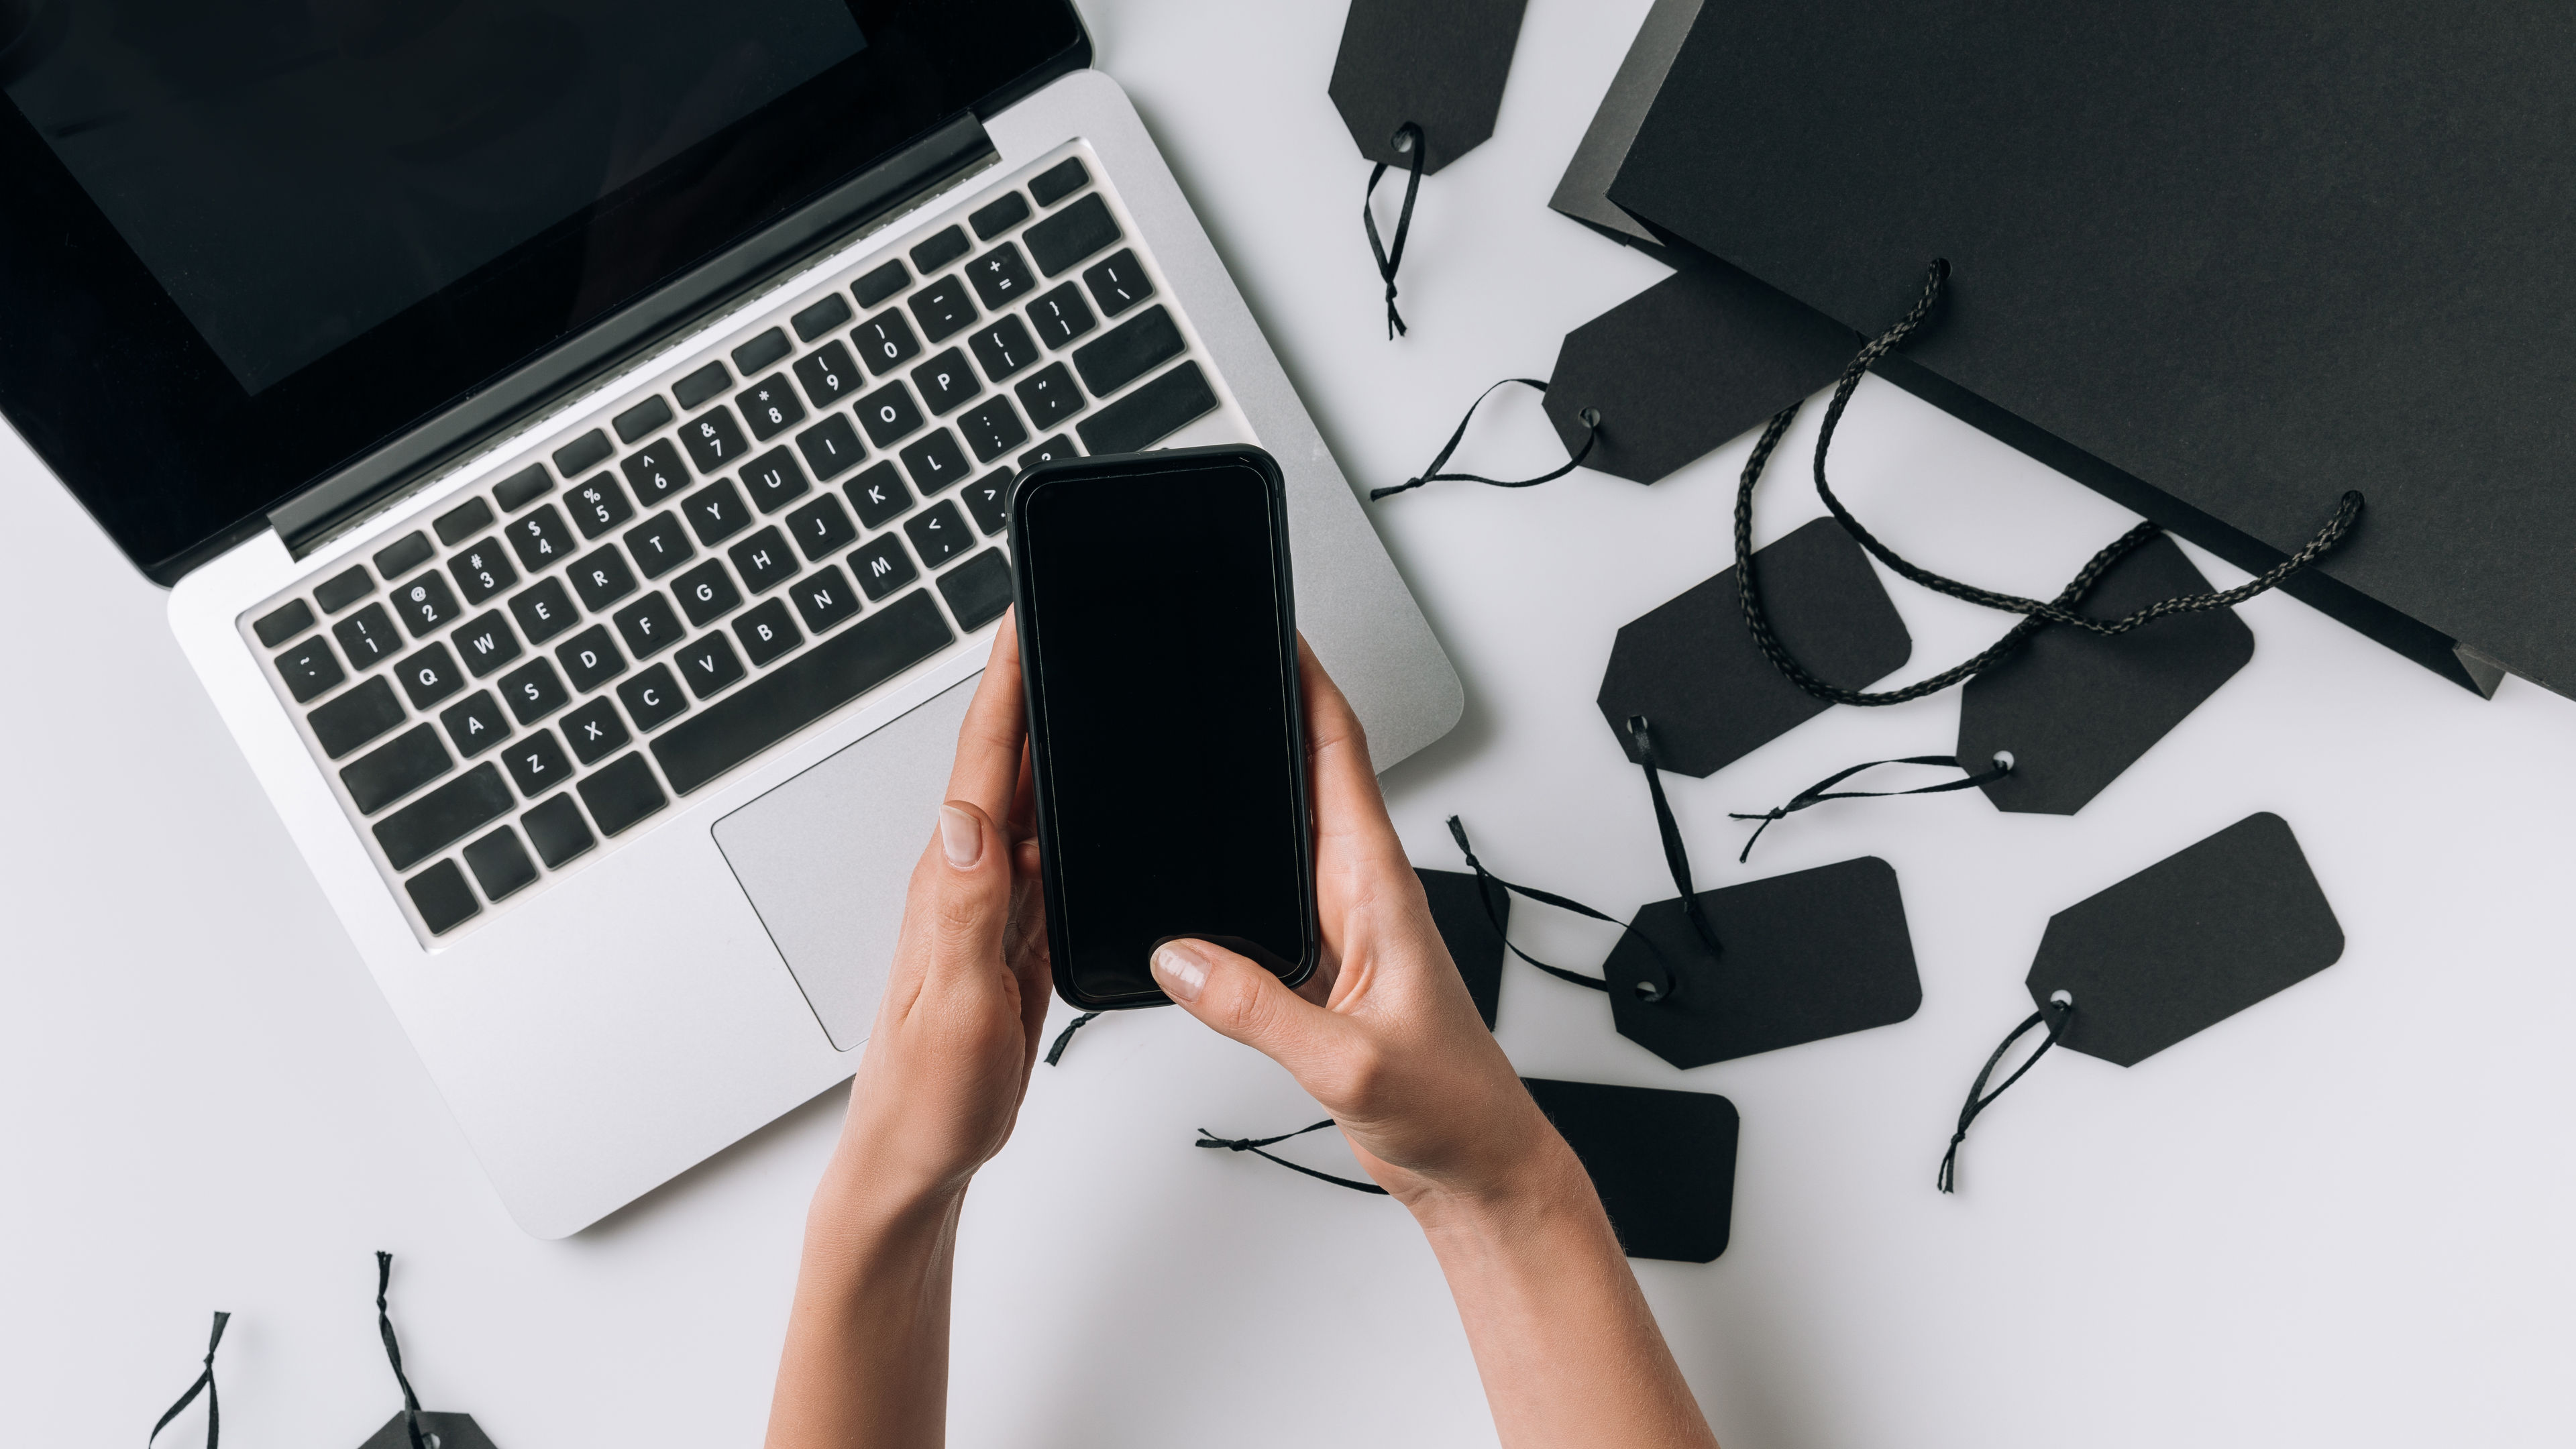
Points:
(825, 857)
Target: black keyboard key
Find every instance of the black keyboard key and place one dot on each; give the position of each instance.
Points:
(889, 414)
(356, 717)
(343, 589)
(481, 571)
(992, 429)
(828, 375)
(716, 512)
(1070, 235)
(310, 668)
(583, 454)
(883, 566)
(599, 505)
(1050, 395)
(1003, 347)
(442, 897)
(934, 462)
(879, 495)
(939, 534)
(774, 480)
(831, 447)
(766, 633)
(1061, 315)
(1117, 284)
(1151, 413)
(655, 472)
(596, 730)
(411, 761)
(822, 527)
(590, 658)
(988, 500)
(487, 643)
(533, 691)
(946, 382)
(880, 284)
(812, 322)
(1128, 351)
(1059, 181)
(543, 610)
(939, 251)
(623, 795)
(557, 830)
(702, 386)
(978, 590)
(943, 309)
(463, 521)
(653, 698)
(706, 593)
(801, 691)
(999, 215)
(714, 440)
(648, 626)
(523, 487)
(763, 560)
(475, 723)
(425, 604)
(1049, 451)
(284, 623)
(429, 676)
(444, 816)
(661, 545)
(537, 764)
(824, 599)
(1001, 280)
(367, 637)
(653, 412)
(601, 577)
(403, 555)
(540, 539)
(761, 351)
(885, 341)
(770, 406)
(500, 864)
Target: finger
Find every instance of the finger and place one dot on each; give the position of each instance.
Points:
(1349, 810)
(1238, 998)
(990, 743)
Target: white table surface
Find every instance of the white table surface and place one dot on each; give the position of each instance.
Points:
(2338, 1217)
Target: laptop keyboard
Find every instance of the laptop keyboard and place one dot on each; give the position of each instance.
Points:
(525, 674)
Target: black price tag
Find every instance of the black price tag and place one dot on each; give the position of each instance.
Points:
(437, 1431)
(1472, 929)
(1438, 65)
(1663, 1162)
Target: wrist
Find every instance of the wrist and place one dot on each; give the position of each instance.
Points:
(1546, 1184)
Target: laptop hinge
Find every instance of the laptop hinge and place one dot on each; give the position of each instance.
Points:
(380, 478)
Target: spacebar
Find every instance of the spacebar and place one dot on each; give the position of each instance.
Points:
(803, 690)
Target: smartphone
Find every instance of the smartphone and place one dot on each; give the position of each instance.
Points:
(1158, 640)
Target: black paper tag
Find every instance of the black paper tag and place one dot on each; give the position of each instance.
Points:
(1663, 1162)
(1467, 929)
(2076, 709)
(2187, 942)
(1692, 667)
(1687, 364)
(1808, 955)
(437, 1431)
(1439, 64)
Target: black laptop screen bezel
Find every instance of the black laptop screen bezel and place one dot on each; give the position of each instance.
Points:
(115, 389)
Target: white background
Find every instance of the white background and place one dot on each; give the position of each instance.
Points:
(2339, 1217)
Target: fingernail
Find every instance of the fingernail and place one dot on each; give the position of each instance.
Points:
(1180, 970)
(961, 837)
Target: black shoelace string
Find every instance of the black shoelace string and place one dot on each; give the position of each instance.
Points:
(2054, 1016)
(1823, 790)
(205, 1384)
(1591, 435)
(393, 1351)
(1487, 883)
(1408, 143)
(2036, 613)
(1254, 1145)
(1064, 1038)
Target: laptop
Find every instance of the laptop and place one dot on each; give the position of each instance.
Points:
(576, 442)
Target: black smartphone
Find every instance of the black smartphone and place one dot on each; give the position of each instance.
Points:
(1158, 639)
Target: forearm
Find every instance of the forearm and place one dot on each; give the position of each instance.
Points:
(1568, 1352)
(866, 1360)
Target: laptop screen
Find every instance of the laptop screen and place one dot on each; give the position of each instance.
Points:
(252, 239)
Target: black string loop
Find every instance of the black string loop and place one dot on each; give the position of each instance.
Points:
(393, 1351)
(1487, 883)
(2035, 613)
(1591, 434)
(205, 1384)
(1254, 1145)
(1408, 141)
(1676, 854)
(1823, 790)
(2055, 1017)
(1064, 1038)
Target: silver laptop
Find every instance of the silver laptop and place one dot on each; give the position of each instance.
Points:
(576, 442)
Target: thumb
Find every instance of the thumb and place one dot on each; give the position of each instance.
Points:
(1237, 997)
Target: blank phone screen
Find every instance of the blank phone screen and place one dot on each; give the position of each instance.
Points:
(1170, 746)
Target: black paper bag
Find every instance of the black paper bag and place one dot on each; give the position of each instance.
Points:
(1663, 1162)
